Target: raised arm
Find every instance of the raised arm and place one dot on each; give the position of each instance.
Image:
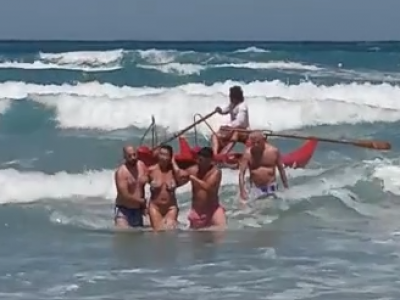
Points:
(243, 165)
(213, 181)
(181, 176)
(121, 184)
(281, 169)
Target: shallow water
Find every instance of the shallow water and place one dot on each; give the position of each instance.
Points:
(64, 116)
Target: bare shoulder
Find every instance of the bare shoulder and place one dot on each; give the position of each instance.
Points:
(121, 172)
(247, 153)
(192, 170)
(152, 169)
(141, 165)
(275, 150)
(272, 149)
(217, 171)
(121, 169)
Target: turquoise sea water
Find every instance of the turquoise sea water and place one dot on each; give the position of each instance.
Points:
(67, 108)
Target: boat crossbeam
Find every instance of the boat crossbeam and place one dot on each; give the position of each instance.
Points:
(195, 128)
(153, 129)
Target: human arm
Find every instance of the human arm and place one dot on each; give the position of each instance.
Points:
(224, 110)
(181, 176)
(281, 169)
(243, 165)
(121, 184)
(211, 182)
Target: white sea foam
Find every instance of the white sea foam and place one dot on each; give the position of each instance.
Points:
(390, 177)
(92, 58)
(189, 69)
(4, 105)
(22, 187)
(273, 104)
(251, 49)
(38, 65)
(88, 61)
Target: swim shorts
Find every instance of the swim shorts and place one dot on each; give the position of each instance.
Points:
(134, 216)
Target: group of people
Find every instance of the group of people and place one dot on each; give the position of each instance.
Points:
(165, 177)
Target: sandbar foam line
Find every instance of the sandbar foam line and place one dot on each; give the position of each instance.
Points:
(20, 187)
(31, 186)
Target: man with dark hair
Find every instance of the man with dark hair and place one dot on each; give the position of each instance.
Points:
(226, 137)
(205, 178)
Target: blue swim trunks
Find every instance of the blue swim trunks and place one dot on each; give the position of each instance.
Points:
(265, 191)
(134, 216)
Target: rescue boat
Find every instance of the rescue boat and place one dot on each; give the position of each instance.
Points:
(186, 155)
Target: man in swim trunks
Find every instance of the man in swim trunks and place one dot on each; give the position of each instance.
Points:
(130, 179)
(205, 178)
(261, 159)
(226, 137)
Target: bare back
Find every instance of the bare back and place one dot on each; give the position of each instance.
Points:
(263, 166)
(131, 179)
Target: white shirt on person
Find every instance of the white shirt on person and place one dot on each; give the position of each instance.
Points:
(239, 115)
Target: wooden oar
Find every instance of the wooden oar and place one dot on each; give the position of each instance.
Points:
(376, 145)
(179, 133)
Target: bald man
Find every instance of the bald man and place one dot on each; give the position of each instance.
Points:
(262, 160)
(130, 179)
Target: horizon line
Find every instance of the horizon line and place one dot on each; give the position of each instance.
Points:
(193, 41)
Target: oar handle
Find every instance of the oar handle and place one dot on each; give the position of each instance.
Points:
(376, 145)
(179, 133)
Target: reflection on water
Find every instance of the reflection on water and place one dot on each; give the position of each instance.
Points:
(149, 249)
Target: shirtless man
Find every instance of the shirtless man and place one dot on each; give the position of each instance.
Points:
(226, 137)
(205, 178)
(130, 179)
(262, 160)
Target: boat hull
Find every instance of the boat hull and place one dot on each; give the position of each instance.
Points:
(187, 155)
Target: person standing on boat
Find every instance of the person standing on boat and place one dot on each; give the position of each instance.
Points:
(205, 178)
(130, 179)
(226, 137)
(262, 159)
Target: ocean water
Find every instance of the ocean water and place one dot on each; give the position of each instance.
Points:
(67, 108)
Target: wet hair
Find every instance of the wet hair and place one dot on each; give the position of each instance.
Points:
(236, 92)
(205, 152)
(168, 148)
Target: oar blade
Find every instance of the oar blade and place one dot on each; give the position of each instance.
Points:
(376, 145)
